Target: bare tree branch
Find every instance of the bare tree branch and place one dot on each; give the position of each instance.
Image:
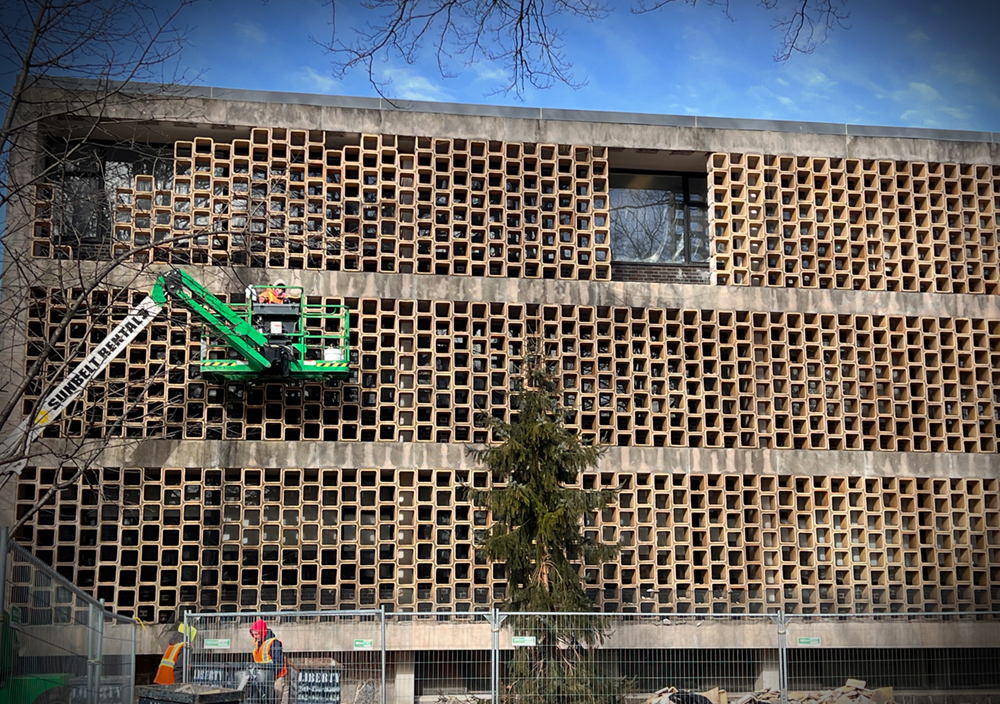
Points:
(522, 37)
(112, 45)
(808, 25)
(82, 462)
(643, 7)
(112, 42)
(803, 24)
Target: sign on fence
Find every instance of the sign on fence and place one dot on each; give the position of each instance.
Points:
(218, 643)
(213, 676)
(364, 644)
(522, 641)
(809, 642)
(318, 685)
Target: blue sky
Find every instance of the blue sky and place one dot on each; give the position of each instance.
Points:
(917, 63)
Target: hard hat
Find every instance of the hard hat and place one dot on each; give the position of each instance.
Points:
(259, 627)
(279, 282)
(191, 631)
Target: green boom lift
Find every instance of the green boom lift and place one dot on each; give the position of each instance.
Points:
(297, 337)
(293, 339)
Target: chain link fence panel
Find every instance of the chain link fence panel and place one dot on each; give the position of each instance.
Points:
(332, 657)
(951, 652)
(596, 658)
(57, 641)
(440, 656)
(372, 657)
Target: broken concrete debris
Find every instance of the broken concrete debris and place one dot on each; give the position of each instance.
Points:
(853, 692)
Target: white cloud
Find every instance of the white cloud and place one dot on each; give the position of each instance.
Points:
(918, 35)
(764, 99)
(924, 106)
(488, 73)
(250, 31)
(819, 79)
(954, 68)
(958, 113)
(922, 91)
(318, 81)
(702, 47)
(405, 84)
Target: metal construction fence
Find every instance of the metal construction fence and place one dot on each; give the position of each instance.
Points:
(910, 652)
(378, 657)
(57, 643)
(333, 656)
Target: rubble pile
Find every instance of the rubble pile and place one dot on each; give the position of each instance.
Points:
(853, 692)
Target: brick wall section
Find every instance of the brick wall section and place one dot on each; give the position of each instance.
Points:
(234, 538)
(283, 200)
(859, 224)
(659, 273)
(736, 379)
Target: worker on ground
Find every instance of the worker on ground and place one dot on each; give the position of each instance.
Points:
(165, 672)
(273, 294)
(270, 660)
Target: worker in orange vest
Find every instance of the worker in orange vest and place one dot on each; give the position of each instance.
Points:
(165, 672)
(274, 294)
(269, 655)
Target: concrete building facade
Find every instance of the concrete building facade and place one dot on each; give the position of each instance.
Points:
(797, 373)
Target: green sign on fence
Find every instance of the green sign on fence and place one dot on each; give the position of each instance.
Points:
(809, 642)
(364, 644)
(522, 641)
(218, 643)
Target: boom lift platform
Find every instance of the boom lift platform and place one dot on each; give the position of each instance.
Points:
(244, 342)
(292, 339)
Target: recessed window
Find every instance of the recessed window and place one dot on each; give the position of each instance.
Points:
(87, 175)
(659, 218)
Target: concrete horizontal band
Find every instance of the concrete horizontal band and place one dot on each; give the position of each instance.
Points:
(403, 455)
(349, 284)
(580, 293)
(613, 293)
(527, 113)
(203, 106)
(652, 632)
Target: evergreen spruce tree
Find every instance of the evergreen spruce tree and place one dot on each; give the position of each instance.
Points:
(537, 534)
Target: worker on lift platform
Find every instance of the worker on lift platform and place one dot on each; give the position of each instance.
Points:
(274, 294)
(276, 316)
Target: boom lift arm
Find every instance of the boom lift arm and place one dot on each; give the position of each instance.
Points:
(48, 409)
(238, 333)
(288, 352)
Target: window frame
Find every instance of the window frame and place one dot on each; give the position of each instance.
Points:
(67, 158)
(685, 176)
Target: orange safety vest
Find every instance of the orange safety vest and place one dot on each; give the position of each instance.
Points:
(165, 672)
(271, 295)
(262, 655)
